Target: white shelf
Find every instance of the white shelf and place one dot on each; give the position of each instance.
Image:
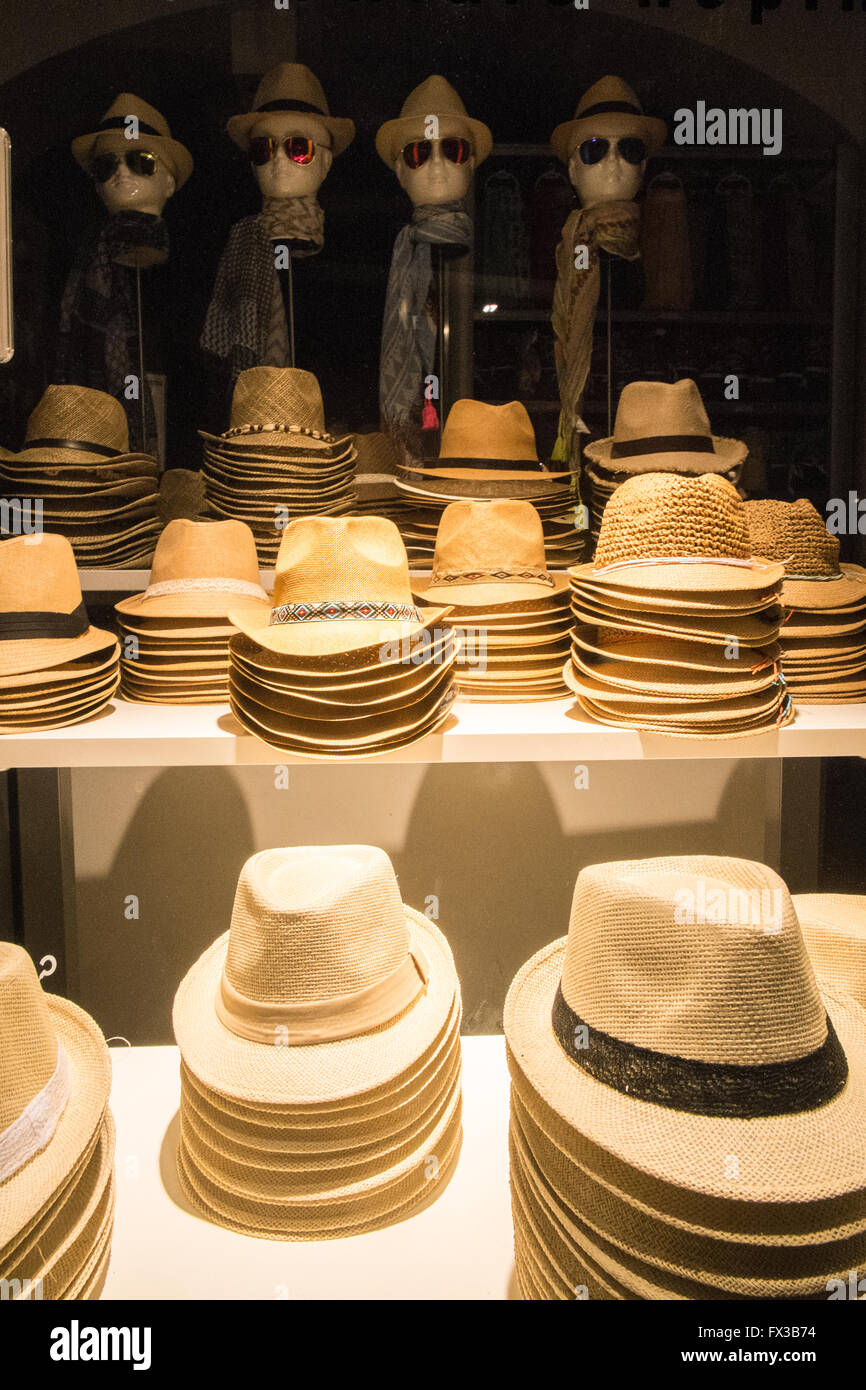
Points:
(129, 735)
(459, 1247)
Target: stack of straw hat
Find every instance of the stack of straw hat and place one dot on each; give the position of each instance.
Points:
(512, 616)
(676, 622)
(56, 1140)
(659, 428)
(376, 490)
(834, 929)
(77, 466)
(276, 461)
(320, 1047)
(823, 638)
(688, 1112)
(55, 669)
(344, 664)
(489, 451)
(176, 634)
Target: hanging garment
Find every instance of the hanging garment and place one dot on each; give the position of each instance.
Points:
(97, 342)
(550, 203)
(612, 227)
(505, 251)
(408, 332)
(665, 245)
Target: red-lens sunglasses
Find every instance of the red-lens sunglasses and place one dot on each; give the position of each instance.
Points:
(419, 151)
(298, 148)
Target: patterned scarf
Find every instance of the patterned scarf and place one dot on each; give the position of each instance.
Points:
(613, 227)
(246, 318)
(408, 336)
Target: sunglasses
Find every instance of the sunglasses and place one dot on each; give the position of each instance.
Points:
(298, 149)
(419, 151)
(104, 166)
(630, 148)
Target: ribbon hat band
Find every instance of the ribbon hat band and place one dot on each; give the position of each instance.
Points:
(663, 444)
(122, 123)
(81, 444)
(243, 587)
(25, 627)
(303, 106)
(37, 1122)
(365, 610)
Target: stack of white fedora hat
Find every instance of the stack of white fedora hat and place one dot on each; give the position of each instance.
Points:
(56, 1140)
(320, 1046)
(688, 1103)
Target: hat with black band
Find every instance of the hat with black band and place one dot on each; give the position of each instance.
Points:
(663, 427)
(292, 87)
(129, 123)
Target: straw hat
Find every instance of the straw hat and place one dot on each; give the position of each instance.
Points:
(794, 534)
(41, 604)
(200, 569)
(834, 929)
(277, 408)
(608, 107)
(324, 988)
(77, 426)
(663, 531)
(340, 585)
(153, 134)
(56, 1074)
(294, 88)
(661, 427)
(434, 97)
(488, 448)
(671, 1072)
(489, 553)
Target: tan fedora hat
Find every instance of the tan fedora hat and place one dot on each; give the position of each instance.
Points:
(341, 585)
(78, 426)
(794, 534)
(277, 408)
(43, 620)
(663, 427)
(489, 444)
(153, 134)
(663, 531)
(325, 987)
(674, 1088)
(608, 107)
(293, 88)
(489, 553)
(433, 97)
(56, 1075)
(834, 929)
(200, 569)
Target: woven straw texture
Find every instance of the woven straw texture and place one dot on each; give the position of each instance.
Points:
(834, 929)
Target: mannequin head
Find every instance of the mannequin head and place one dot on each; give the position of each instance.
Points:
(439, 179)
(612, 178)
(446, 144)
(607, 144)
(128, 190)
(280, 176)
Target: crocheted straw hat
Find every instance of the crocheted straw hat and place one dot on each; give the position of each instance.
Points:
(154, 134)
(834, 929)
(434, 97)
(489, 553)
(40, 601)
(55, 1076)
(794, 534)
(663, 531)
(277, 408)
(200, 569)
(77, 426)
(662, 427)
(340, 585)
(292, 87)
(673, 1072)
(608, 107)
(324, 988)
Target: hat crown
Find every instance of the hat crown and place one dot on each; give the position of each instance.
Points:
(502, 535)
(648, 409)
(794, 534)
(291, 82)
(607, 89)
(474, 429)
(126, 104)
(38, 575)
(205, 550)
(277, 396)
(434, 96)
(700, 957)
(315, 923)
(28, 1040)
(80, 414)
(342, 560)
(659, 515)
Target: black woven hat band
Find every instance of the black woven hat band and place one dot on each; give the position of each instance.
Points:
(664, 444)
(292, 106)
(121, 123)
(26, 627)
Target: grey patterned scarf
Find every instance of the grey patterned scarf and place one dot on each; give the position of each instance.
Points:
(408, 336)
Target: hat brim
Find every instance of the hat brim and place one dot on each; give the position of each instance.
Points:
(847, 588)
(340, 128)
(40, 654)
(176, 155)
(191, 605)
(727, 453)
(320, 641)
(487, 595)
(394, 135)
(687, 577)
(567, 136)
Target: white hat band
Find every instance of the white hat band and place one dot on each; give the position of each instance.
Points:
(205, 586)
(37, 1122)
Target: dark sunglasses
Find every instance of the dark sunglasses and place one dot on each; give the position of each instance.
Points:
(104, 166)
(419, 151)
(630, 148)
(298, 148)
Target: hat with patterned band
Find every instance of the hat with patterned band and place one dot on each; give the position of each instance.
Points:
(671, 1074)
(489, 553)
(278, 409)
(662, 427)
(293, 89)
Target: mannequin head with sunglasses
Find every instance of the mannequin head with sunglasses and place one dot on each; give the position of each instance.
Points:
(607, 168)
(290, 154)
(436, 171)
(130, 177)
